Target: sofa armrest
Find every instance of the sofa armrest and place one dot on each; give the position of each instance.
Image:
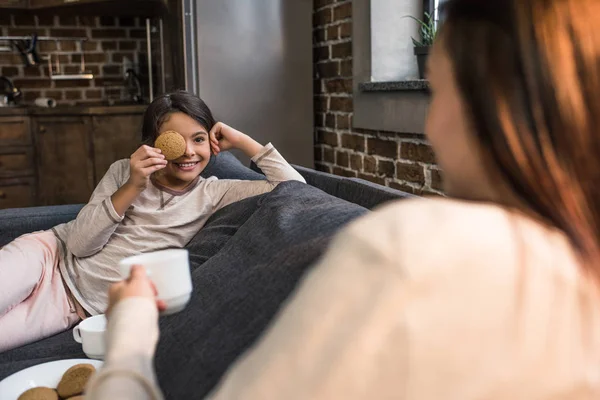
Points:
(15, 222)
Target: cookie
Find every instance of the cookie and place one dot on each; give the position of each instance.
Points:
(172, 145)
(39, 393)
(74, 380)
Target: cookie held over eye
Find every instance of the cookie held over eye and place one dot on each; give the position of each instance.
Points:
(172, 145)
(39, 393)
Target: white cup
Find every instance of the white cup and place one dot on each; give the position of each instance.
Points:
(90, 333)
(170, 272)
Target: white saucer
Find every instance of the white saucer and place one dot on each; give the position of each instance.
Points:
(46, 374)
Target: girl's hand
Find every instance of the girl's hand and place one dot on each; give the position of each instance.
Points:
(137, 285)
(144, 162)
(223, 137)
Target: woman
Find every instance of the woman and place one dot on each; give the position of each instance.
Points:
(490, 294)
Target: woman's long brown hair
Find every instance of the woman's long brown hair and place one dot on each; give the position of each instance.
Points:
(529, 73)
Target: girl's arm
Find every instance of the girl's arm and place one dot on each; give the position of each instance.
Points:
(268, 159)
(117, 190)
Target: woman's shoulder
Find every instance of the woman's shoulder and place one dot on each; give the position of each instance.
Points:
(432, 234)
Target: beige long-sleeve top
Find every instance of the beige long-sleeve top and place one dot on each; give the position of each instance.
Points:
(92, 244)
(423, 299)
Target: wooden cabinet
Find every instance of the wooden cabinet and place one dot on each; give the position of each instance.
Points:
(114, 137)
(63, 157)
(50, 157)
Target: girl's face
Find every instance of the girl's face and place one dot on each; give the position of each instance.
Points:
(181, 172)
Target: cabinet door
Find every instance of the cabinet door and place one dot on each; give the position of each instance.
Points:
(115, 137)
(16, 161)
(13, 3)
(64, 160)
(15, 131)
(17, 192)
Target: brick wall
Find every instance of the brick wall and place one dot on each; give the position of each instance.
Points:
(401, 161)
(111, 40)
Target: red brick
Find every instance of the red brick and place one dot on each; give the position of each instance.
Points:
(322, 17)
(78, 32)
(32, 72)
(328, 155)
(320, 103)
(333, 32)
(72, 69)
(322, 167)
(343, 104)
(383, 148)
(93, 94)
(320, 53)
(45, 20)
(10, 58)
(73, 95)
(436, 180)
(67, 20)
(91, 58)
(72, 83)
(31, 95)
(322, 3)
(328, 69)
(325, 137)
(23, 19)
(89, 45)
(342, 12)
(353, 142)
(68, 46)
(113, 92)
(54, 94)
(372, 178)
(356, 162)
(345, 30)
(339, 86)
(108, 82)
(341, 50)
(127, 21)
(410, 173)
(137, 33)
(319, 120)
(417, 152)
(370, 164)
(386, 168)
(47, 46)
(118, 57)
(108, 33)
(346, 68)
(330, 121)
(405, 188)
(5, 19)
(32, 83)
(109, 45)
(111, 70)
(343, 122)
(318, 153)
(87, 21)
(344, 172)
(19, 31)
(128, 45)
(10, 71)
(317, 87)
(319, 35)
(342, 159)
(108, 21)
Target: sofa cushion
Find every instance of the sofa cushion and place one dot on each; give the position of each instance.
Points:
(226, 166)
(239, 289)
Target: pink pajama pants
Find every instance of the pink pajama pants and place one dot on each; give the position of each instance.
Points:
(34, 303)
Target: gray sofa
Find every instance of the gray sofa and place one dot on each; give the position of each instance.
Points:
(245, 262)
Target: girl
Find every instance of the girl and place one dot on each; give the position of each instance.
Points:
(49, 280)
(493, 293)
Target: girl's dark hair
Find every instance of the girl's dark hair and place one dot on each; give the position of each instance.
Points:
(529, 74)
(180, 101)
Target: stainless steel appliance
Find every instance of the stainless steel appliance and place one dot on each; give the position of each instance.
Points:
(251, 61)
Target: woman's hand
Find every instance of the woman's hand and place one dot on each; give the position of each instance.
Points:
(223, 137)
(137, 285)
(144, 162)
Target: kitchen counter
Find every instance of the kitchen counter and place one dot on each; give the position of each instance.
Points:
(74, 110)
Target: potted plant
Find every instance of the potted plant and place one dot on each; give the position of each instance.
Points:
(428, 32)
